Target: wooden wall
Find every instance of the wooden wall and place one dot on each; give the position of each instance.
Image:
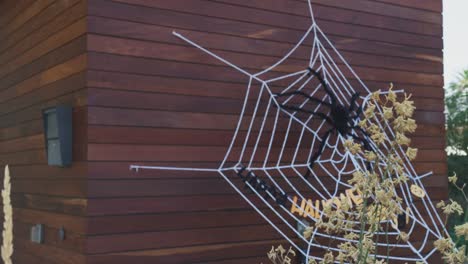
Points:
(154, 100)
(42, 63)
(142, 96)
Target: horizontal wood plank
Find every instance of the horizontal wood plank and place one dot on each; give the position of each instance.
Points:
(268, 44)
(75, 224)
(432, 5)
(53, 18)
(99, 244)
(57, 40)
(328, 10)
(26, 14)
(211, 88)
(204, 253)
(11, 9)
(137, 65)
(277, 19)
(240, 28)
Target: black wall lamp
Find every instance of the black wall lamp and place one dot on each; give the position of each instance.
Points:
(58, 135)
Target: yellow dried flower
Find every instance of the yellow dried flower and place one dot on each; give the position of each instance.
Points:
(328, 258)
(450, 254)
(358, 177)
(404, 236)
(279, 255)
(453, 179)
(402, 139)
(363, 123)
(402, 178)
(450, 208)
(401, 124)
(440, 204)
(308, 232)
(378, 138)
(405, 108)
(351, 236)
(443, 244)
(456, 257)
(462, 230)
(341, 257)
(376, 95)
(354, 148)
(387, 112)
(391, 96)
(411, 153)
(370, 155)
(370, 110)
(383, 196)
(372, 129)
(410, 125)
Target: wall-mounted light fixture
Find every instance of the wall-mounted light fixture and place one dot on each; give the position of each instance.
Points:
(37, 233)
(58, 135)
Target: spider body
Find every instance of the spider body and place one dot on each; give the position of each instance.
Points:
(340, 118)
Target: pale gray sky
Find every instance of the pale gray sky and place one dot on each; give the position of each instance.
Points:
(455, 38)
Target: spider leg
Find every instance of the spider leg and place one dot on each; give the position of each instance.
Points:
(322, 115)
(352, 103)
(358, 112)
(360, 129)
(313, 99)
(364, 141)
(325, 86)
(318, 152)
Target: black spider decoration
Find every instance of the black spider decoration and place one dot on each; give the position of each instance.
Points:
(340, 118)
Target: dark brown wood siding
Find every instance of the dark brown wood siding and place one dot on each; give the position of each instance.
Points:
(42, 64)
(141, 96)
(155, 100)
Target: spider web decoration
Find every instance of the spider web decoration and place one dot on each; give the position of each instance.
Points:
(282, 126)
